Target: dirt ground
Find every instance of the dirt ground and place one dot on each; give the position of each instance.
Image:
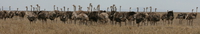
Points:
(22, 26)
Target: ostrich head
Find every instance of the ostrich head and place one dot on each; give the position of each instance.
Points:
(150, 8)
(130, 9)
(98, 7)
(60, 9)
(17, 9)
(74, 7)
(120, 8)
(146, 9)
(196, 9)
(26, 8)
(79, 7)
(107, 8)
(9, 7)
(137, 9)
(88, 8)
(64, 8)
(111, 7)
(192, 10)
(37, 5)
(155, 9)
(90, 4)
(54, 7)
(67, 9)
(115, 8)
(2, 7)
(57, 8)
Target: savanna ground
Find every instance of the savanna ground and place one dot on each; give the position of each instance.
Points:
(22, 26)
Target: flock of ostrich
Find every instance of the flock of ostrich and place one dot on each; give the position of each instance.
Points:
(98, 16)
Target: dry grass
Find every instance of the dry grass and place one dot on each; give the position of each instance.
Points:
(17, 26)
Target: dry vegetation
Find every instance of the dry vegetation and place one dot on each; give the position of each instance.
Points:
(22, 26)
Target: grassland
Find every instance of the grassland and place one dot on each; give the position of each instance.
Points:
(22, 26)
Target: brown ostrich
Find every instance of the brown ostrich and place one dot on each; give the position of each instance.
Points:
(153, 17)
(191, 16)
(169, 16)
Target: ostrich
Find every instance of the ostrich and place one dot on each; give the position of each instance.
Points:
(10, 8)
(31, 7)
(130, 9)
(90, 5)
(137, 9)
(191, 16)
(26, 8)
(54, 7)
(153, 17)
(74, 7)
(120, 8)
(64, 8)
